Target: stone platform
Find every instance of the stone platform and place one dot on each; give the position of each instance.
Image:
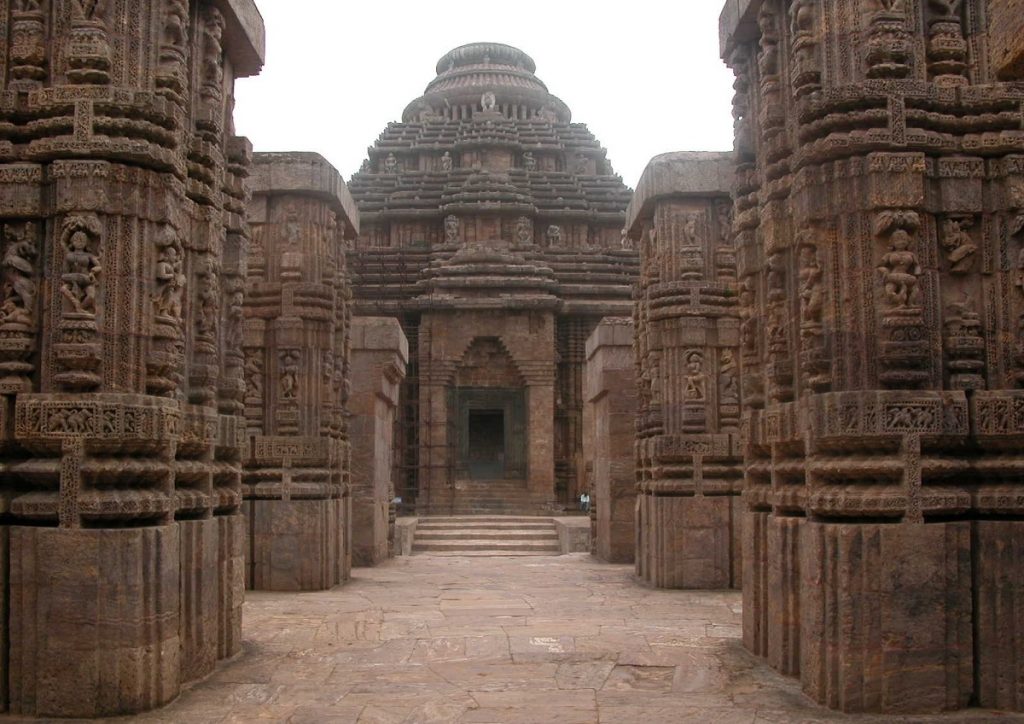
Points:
(567, 639)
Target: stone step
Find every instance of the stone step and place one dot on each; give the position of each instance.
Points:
(485, 519)
(482, 535)
(491, 526)
(486, 545)
(484, 554)
(485, 534)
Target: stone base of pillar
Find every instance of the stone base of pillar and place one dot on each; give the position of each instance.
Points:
(687, 542)
(370, 530)
(755, 581)
(886, 616)
(999, 613)
(295, 545)
(94, 621)
(782, 557)
(199, 602)
(231, 539)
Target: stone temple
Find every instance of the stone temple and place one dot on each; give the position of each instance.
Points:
(491, 228)
(788, 378)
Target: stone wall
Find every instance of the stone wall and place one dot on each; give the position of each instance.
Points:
(1006, 33)
(380, 353)
(296, 346)
(688, 333)
(609, 445)
(123, 244)
(880, 262)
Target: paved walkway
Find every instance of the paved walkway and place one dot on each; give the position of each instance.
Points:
(441, 639)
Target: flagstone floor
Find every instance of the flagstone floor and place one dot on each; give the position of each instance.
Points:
(448, 639)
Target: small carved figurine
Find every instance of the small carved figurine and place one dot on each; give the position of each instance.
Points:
(960, 247)
(900, 269)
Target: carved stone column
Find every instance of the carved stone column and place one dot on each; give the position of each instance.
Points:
(611, 396)
(880, 263)
(380, 353)
(688, 510)
(295, 355)
(121, 470)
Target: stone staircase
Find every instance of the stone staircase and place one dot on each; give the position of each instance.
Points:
(486, 535)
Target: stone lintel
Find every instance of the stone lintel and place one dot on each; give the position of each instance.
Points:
(682, 173)
(245, 38)
(305, 173)
(737, 24)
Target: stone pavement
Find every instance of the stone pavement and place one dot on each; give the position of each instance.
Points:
(448, 639)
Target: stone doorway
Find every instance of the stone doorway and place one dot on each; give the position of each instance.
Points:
(486, 444)
(492, 433)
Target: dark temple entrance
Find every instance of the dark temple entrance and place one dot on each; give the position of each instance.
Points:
(486, 444)
(491, 433)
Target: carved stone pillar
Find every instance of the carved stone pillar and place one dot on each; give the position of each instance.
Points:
(294, 349)
(121, 470)
(380, 353)
(611, 396)
(882, 306)
(688, 511)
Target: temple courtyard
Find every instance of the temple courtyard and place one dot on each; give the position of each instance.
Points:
(504, 639)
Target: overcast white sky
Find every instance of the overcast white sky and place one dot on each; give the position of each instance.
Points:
(644, 75)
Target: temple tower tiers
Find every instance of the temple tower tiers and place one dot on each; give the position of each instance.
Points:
(296, 347)
(879, 205)
(122, 240)
(688, 454)
(491, 229)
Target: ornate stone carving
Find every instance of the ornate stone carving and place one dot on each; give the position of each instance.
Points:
(119, 186)
(171, 79)
(28, 44)
(211, 85)
(452, 233)
(80, 237)
(947, 49)
(88, 48)
(804, 29)
(554, 236)
(879, 248)
(961, 251)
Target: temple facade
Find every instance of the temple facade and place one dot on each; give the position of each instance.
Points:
(491, 228)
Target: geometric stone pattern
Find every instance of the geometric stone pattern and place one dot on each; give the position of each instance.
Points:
(296, 347)
(380, 354)
(609, 440)
(879, 211)
(122, 240)
(688, 455)
(491, 228)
